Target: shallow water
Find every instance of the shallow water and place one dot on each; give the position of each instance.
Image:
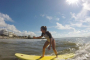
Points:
(79, 46)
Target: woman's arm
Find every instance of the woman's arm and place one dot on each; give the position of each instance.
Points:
(37, 37)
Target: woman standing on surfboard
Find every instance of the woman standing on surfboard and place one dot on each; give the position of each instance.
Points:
(50, 40)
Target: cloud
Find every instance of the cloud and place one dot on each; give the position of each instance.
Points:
(82, 19)
(57, 19)
(53, 32)
(75, 33)
(5, 17)
(2, 22)
(79, 33)
(63, 17)
(49, 17)
(86, 5)
(58, 13)
(60, 26)
(77, 24)
(38, 32)
(82, 16)
(42, 15)
(12, 28)
(25, 33)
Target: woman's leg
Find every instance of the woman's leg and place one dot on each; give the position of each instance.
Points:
(54, 48)
(44, 47)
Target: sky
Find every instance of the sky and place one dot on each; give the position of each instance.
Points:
(63, 18)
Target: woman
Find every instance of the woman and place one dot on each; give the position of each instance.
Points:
(50, 40)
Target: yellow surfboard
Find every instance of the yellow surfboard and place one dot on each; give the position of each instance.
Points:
(34, 57)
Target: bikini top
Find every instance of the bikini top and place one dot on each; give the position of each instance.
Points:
(47, 35)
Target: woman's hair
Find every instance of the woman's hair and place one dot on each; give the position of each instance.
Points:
(44, 28)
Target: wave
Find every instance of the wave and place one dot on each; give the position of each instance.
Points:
(81, 50)
(83, 53)
(3, 42)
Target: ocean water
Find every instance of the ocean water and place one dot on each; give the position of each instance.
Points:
(79, 46)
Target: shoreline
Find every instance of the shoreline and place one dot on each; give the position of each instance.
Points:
(5, 37)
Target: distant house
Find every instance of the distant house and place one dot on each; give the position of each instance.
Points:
(10, 34)
(3, 32)
(29, 36)
(14, 35)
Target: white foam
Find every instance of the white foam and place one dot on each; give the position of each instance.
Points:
(83, 53)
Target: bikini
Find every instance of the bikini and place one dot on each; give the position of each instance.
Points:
(47, 35)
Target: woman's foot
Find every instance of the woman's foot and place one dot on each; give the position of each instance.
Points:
(56, 56)
(41, 56)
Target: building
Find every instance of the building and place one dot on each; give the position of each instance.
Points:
(14, 35)
(3, 32)
(10, 34)
(29, 36)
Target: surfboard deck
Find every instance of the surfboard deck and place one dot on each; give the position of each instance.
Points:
(34, 57)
